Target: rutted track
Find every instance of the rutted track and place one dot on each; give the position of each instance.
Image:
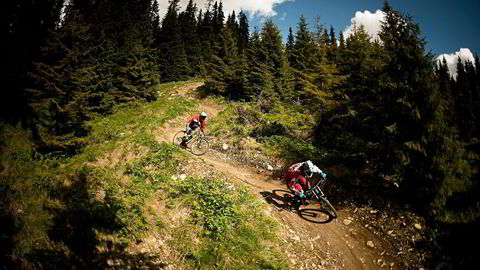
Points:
(307, 245)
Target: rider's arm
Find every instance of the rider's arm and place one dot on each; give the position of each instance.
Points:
(317, 170)
(203, 125)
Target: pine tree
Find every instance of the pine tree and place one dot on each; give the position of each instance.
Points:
(188, 25)
(233, 25)
(220, 19)
(302, 55)
(275, 59)
(243, 32)
(342, 41)
(24, 27)
(418, 143)
(205, 32)
(464, 101)
(137, 69)
(445, 87)
(289, 47)
(64, 78)
(325, 39)
(474, 92)
(333, 39)
(173, 59)
(313, 75)
(476, 103)
(256, 67)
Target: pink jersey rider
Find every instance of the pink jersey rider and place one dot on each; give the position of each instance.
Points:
(298, 174)
(195, 122)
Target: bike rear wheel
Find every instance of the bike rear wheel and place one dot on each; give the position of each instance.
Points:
(290, 185)
(177, 139)
(200, 147)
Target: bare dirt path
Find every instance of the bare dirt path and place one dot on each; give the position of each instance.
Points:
(308, 245)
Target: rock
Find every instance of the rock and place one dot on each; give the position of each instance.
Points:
(417, 226)
(292, 261)
(392, 264)
(269, 167)
(182, 177)
(373, 211)
(295, 237)
(390, 232)
(370, 244)
(225, 146)
(174, 177)
(347, 222)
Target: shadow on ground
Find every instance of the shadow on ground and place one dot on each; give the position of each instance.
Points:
(281, 199)
(277, 199)
(74, 234)
(47, 259)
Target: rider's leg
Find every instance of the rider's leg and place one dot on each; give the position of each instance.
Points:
(297, 202)
(187, 136)
(291, 183)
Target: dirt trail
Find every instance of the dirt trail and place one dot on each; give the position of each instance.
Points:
(308, 245)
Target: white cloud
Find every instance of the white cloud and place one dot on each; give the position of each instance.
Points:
(283, 17)
(452, 59)
(372, 22)
(254, 7)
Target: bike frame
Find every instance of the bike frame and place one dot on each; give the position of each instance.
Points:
(195, 136)
(316, 190)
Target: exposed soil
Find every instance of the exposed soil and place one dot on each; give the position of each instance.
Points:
(336, 244)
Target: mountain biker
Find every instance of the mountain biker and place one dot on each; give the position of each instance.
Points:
(297, 177)
(193, 123)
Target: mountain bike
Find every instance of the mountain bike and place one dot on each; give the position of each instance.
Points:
(316, 197)
(195, 140)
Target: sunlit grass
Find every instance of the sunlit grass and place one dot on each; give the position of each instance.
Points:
(71, 205)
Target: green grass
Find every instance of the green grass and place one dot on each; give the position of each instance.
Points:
(234, 231)
(70, 206)
(277, 131)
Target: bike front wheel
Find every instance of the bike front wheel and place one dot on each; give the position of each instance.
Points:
(200, 147)
(177, 139)
(325, 204)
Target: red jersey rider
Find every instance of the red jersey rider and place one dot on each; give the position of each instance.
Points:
(297, 178)
(195, 122)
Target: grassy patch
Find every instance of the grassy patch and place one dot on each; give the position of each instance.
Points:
(232, 228)
(283, 133)
(66, 209)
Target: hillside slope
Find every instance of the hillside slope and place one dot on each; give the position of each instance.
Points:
(131, 199)
(332, 245)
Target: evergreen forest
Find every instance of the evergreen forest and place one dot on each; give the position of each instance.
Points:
(386, 108)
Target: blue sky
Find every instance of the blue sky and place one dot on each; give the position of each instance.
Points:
(446, 25)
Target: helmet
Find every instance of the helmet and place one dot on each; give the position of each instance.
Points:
(203, 115)
(308, 168)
